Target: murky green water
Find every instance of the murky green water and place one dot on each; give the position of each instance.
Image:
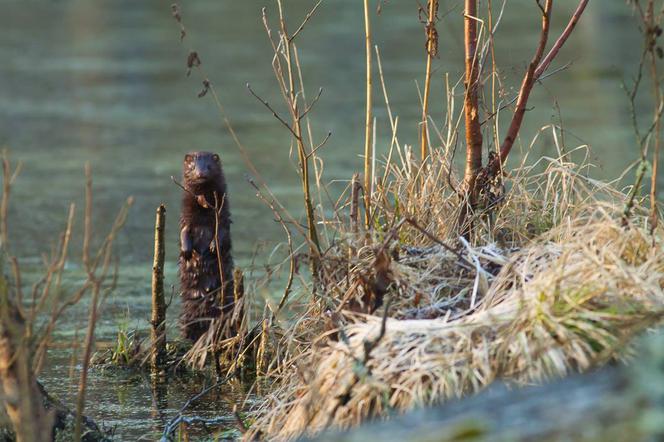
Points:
(104, 81)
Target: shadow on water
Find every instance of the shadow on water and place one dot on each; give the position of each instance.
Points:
(105, 82)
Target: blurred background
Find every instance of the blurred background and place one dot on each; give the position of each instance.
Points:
(104, 81)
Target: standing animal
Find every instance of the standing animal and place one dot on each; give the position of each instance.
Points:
(201, 272)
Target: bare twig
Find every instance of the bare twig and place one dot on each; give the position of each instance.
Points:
(275, 114)
(527, 85)
(87, 228)
(218, 205)
(321, 144)
(432, 51)
(289, 238)
(553, 52)
(306, 20)
(368, 154)
(89, 342)
(97, 276)
(456, 253)
(177, 183)
(285, 76)
(355, 187)
(311, 104)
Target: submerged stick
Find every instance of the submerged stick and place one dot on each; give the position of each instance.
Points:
(176, 420)
(158, 319)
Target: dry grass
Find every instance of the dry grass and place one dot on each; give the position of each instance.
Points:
(557, 285)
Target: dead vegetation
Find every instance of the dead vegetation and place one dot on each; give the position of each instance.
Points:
(27, 323)
(559, 286)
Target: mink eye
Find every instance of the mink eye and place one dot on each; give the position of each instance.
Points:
(188, 158)
(215, 157)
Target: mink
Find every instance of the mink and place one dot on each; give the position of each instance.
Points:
(203, 297)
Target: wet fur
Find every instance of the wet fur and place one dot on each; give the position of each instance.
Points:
(198, 268)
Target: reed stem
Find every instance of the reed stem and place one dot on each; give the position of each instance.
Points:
(432, 50)
(368, 153)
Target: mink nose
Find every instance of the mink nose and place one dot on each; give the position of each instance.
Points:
(201, 170)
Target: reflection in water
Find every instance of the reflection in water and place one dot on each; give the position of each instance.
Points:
(105, 82)
(133, 406)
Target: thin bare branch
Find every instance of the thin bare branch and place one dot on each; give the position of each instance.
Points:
(368, 153)
(524, 93)
(304, 22)
(274, 113)
(553, 52)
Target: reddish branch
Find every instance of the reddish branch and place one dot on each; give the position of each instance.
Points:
(544, 65)
(536, 68)
(527, 84)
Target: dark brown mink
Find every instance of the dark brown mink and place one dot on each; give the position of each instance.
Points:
(203, 299)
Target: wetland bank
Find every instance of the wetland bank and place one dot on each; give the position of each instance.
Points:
(105, 82)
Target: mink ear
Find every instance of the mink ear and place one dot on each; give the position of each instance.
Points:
(187, 158)
(215, 157)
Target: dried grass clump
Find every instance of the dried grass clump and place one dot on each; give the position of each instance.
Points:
(557, 307)
(414, 248)
(562, 286)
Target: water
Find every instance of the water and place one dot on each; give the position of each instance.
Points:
(104, 82)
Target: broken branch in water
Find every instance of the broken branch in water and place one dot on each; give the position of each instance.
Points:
(175, 421)
(158, 319)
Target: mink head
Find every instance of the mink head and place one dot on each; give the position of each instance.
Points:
(201, 170)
